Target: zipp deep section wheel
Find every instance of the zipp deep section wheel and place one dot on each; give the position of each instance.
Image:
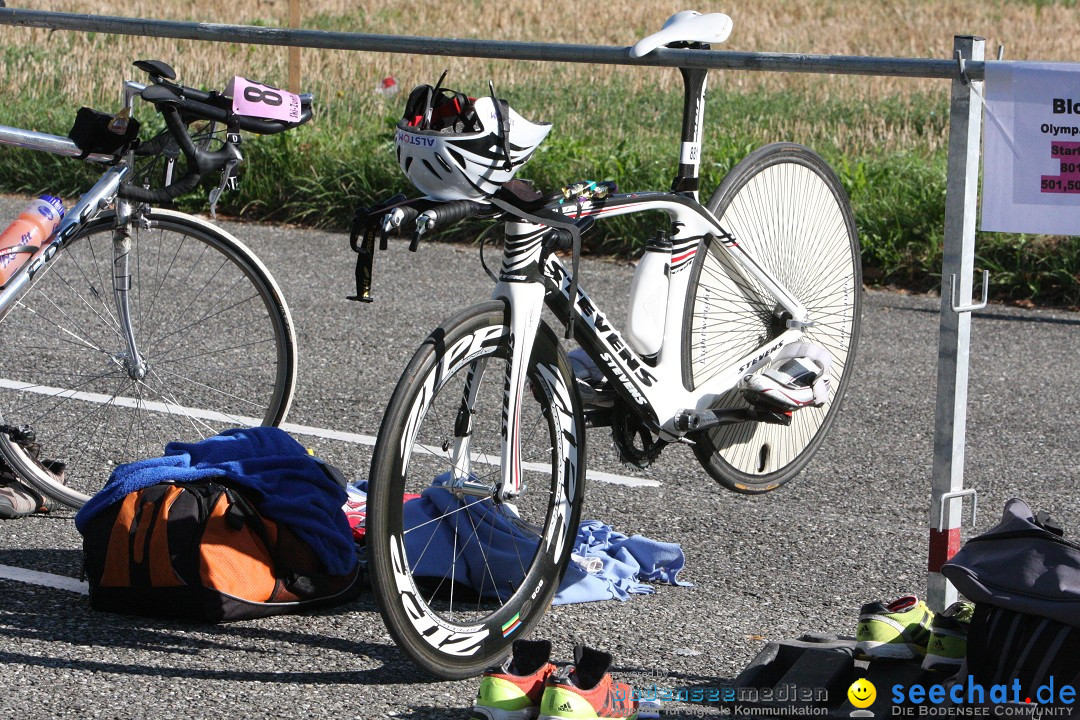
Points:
(459, 575)
(786, 206)
(210, 324)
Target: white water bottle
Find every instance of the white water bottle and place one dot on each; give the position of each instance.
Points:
(646, 315)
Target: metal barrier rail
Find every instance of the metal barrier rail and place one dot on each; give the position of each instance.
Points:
(500, 50)
(966, 71)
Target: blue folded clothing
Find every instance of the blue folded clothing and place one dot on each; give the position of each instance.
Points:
(289, 486)
(480, 548)
(627, 561)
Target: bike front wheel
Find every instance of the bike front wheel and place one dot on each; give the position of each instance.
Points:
(459, 575)
(209, 321)
(785, 205)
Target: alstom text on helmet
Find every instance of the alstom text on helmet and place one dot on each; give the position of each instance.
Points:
(410, 139)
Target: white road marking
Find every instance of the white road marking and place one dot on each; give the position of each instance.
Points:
(240, 420)
(33, 577)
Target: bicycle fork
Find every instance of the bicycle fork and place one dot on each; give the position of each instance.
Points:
(133, 363)
(521, 287)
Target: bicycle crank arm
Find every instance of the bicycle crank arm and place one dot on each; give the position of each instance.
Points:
(697, 420)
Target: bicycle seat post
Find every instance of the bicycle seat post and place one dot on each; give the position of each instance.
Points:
(694, 82)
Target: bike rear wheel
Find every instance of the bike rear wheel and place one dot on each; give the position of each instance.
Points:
(209, 321)
(786, 205)
(459, 577)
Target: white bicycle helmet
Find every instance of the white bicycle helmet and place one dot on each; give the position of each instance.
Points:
(452, 147)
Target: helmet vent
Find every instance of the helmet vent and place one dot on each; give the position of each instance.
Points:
(432, 170)
(456, 157)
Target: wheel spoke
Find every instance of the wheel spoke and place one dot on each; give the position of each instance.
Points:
(206, 321)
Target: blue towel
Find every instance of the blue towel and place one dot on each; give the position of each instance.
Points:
(289, 486)
(626, 562)
(493, 563)
(495, 560)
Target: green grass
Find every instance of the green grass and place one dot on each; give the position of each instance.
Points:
(889, 155)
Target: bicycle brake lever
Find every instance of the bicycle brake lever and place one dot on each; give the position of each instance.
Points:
(391, 221)
(425, 222)
(228, 182)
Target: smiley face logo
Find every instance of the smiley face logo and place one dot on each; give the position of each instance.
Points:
(862, 693)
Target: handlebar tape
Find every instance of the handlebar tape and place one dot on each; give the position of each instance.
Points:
(180, 111)
(454, 210)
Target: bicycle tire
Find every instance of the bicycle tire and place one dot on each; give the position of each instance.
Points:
(495, 604)
(787, 206)
(211, 324)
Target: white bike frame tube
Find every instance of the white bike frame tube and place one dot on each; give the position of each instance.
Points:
(524, 291)
(694, 221)
(659, 389)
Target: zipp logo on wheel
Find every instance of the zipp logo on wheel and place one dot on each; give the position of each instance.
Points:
(460, 641)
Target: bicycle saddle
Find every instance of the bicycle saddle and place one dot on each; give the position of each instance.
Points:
(686, 26)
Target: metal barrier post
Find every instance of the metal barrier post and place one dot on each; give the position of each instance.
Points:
(946, 508)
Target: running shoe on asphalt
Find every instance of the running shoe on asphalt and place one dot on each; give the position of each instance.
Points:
(18, 501)
(897, 631)
(585, 691)
(948, 638)
(513, 691)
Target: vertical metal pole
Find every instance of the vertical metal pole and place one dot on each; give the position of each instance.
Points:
(294, 52)
(965, 131)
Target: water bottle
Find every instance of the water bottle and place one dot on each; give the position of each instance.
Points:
(646, 315)
(37, 222)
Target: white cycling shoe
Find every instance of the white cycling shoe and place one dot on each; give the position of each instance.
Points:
(794, 377)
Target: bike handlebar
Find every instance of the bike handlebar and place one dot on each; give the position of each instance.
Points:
(180, 105)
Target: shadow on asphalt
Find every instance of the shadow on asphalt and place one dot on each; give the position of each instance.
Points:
(64, 622)
(979, 315)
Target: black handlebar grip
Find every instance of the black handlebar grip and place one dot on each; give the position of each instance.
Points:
(455, 210)
(559, 239)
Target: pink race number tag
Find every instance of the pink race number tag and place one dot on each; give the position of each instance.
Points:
(254, 99)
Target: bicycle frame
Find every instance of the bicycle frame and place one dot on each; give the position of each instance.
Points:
(659, 390)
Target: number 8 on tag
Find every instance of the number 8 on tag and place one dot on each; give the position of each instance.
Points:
(254, 99)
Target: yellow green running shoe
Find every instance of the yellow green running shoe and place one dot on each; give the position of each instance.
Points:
(897, 631)
(948, 638)
(586, 691)
(514, 690)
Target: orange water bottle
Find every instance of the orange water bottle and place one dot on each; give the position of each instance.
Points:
(23, 237)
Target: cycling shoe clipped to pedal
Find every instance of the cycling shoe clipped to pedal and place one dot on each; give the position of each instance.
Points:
(794, 377)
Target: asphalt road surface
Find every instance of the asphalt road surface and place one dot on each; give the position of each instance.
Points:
(851, 528)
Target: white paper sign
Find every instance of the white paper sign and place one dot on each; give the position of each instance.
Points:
(1031, 158)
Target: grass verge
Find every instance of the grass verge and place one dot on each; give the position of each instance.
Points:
(889, 154)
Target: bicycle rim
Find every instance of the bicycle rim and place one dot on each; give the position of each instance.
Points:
(209, 322)
(788, 208)
(459, 578)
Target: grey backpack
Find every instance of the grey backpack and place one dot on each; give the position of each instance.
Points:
(1024, 578)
